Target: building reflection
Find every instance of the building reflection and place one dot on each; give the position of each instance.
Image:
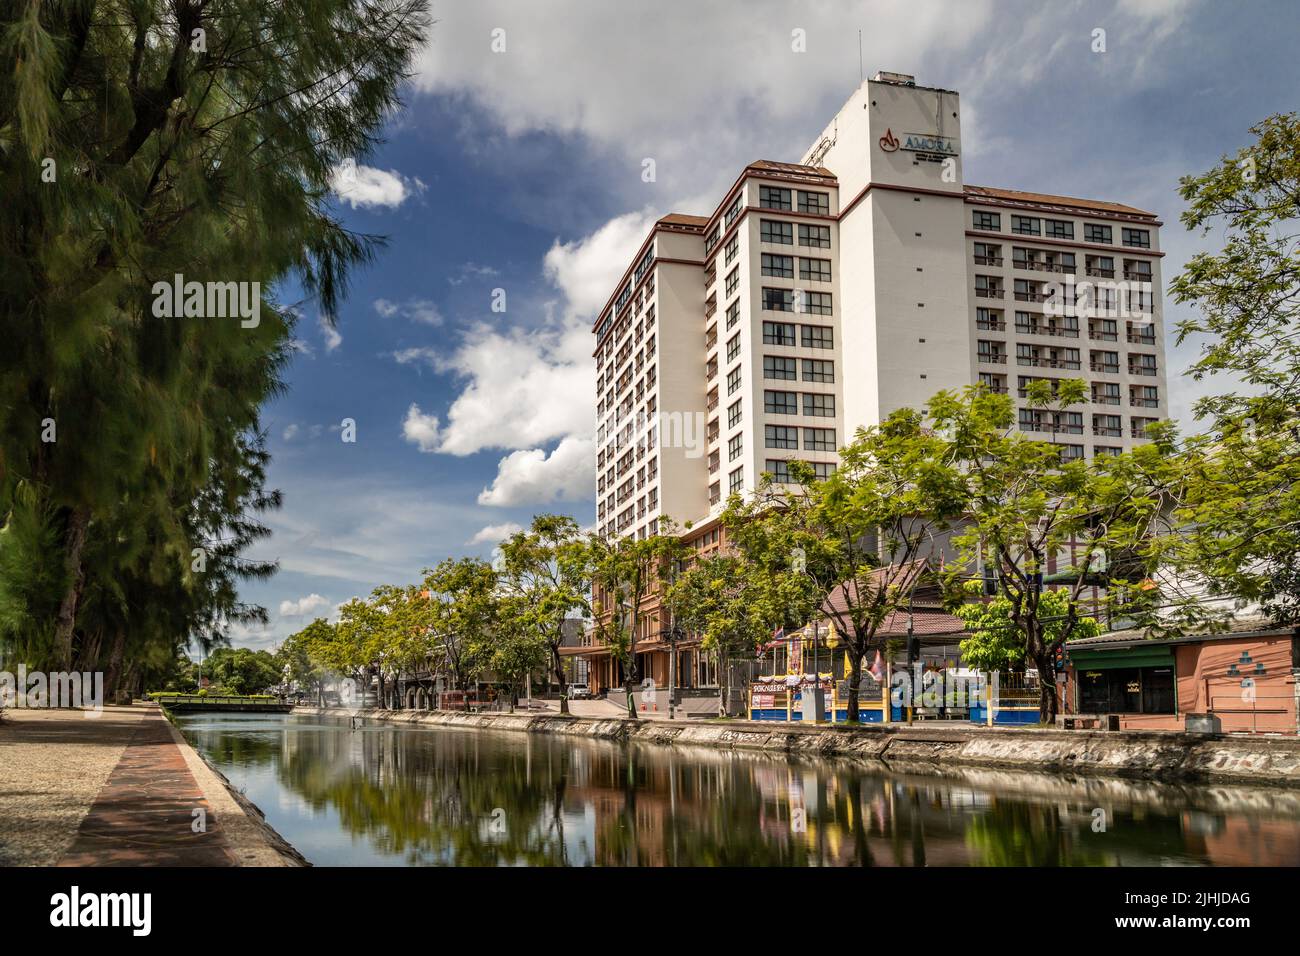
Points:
(445, 797)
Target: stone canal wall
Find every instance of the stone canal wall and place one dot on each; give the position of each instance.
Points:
(1159, 755)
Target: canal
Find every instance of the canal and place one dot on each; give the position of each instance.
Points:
(415, 796)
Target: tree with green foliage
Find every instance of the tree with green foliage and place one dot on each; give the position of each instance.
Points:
(624, 573)
(544, 575)
(1025, 508)
(728, 605)
(141, 140)
(995, 644)
(242, 670)
(852, 548)
(1240, 508)
(460, 613)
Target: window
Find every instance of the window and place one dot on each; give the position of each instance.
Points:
(1094, 232)
(715, 493)
(773, 197)
(714, 461)
(820, 406)
(818, 203)
(817, 303)
(780, 266)
(711, 239)
(818, 237)
(769, 230)
(815, 270)
(779, 469)
(781, 436)
(735, 446)
(1025, 226)
(822, 469)
(733, 314)
(1058, 229)
(779, 300)
(817, 337)
(733, 280)
(781, 403)
(819, 439)
(733, 245)
(736, 480)
(732, 211)
(733, 346)
(733, 414)
(988, 220)
(818, 370)
(778, 333)
(733, 380)
(1137, 238)
(1127, 690)
(775, 366)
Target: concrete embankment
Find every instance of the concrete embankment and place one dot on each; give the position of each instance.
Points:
(1157, 755)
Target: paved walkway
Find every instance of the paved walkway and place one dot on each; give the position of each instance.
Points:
(150, 812)
(118, 790)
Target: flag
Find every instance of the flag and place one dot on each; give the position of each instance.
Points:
(877, 668)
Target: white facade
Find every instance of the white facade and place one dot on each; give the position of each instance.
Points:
(819, 297)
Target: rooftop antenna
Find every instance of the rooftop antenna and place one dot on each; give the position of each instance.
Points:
(860, 76)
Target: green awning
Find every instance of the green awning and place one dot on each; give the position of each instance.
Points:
(1097, 660)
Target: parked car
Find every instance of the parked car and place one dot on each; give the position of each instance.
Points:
(578, 692)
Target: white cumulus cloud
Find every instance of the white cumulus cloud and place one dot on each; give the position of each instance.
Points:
(368, 188)
(495, 533)
(305, 606)
(532, 477)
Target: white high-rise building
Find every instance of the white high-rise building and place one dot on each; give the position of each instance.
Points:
(821, 296)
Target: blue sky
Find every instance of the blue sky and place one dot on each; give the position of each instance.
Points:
(519, 170)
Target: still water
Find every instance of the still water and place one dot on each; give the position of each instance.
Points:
(415, 796)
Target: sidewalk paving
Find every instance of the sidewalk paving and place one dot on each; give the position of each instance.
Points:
(115, 790)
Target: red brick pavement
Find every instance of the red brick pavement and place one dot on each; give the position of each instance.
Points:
(144, 814)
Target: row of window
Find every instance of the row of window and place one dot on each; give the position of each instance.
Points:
(787, 403)
(810, 336)
(782, 233)
(782, 267)
(796, 300)
(777, 197)
(787, 436)
(783, 367)
(1061, 229)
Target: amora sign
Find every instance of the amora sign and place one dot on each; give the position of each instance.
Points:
(930, 143)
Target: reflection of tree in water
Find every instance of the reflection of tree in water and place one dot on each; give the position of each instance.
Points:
(435, 798)
(474, 798)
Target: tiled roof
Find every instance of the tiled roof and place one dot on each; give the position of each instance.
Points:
(1045, 199)
(1236, 627)
(682, 219)
(790, 168)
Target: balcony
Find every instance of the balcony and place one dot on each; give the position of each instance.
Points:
(1100, 273)
(1137, 402)
(1032, 296)
(1102, 336)
(1038, 362)
(1142, 370)
(988, 260)
(1047, 330)
(1037, 265)
(1138, 431)
(1110, 368)
(1137, 276)
(993, 358)
(991, 325)
(1101, 398)
(1138, 338)
(988, 293)
(1109, 431)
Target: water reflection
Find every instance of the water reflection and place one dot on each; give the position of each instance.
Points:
(422, 796)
